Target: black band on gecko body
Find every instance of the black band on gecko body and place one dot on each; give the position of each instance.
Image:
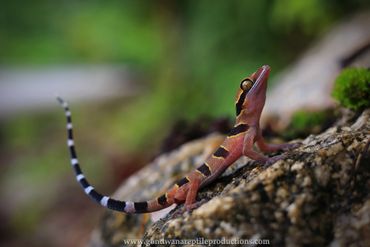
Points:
(204, 169)
(72, 151)
(141, 207)
(240, 102)
(221, 152)
(116, 205)
(70, 134)
(162, 200)
(238, 129)
(182, 181)
(84, 183)
(95, 195)
(77, 169)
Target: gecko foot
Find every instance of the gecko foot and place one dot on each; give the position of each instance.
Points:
(189, 208)
(194, 205)
(290, 146)
(273, 159)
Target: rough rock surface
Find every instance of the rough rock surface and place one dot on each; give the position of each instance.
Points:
(317, 196)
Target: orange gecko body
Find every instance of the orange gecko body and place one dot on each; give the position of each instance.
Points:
(250, 100)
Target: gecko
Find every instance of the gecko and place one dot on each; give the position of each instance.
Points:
(250, 100)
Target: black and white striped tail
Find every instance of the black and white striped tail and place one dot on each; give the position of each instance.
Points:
(122, 206)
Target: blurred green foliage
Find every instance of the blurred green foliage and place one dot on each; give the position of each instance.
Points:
(305, 122)
(193, 53)
(352, 88)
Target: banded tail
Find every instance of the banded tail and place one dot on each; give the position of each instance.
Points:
(106, 201)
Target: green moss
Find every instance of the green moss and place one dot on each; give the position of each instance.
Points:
(304, 119)
(304, 123)
(352, 88)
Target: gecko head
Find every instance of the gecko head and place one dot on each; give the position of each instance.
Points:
(252, 92)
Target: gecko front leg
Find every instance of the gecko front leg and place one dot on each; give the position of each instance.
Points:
(249, 139)
(271, 147)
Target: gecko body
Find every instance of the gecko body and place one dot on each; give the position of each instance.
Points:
(250, 100)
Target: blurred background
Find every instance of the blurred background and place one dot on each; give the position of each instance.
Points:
(130, 70)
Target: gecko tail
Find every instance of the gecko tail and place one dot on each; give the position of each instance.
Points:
(105, 201)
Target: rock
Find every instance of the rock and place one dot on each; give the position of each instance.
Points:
(317, 196)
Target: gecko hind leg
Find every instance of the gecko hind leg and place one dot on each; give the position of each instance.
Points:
(191, 197)
(188, 194)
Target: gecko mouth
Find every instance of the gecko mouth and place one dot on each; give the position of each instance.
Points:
(261, 81)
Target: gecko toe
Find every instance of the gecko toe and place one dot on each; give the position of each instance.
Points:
(194, 205)
(274, 159)
(290, 146)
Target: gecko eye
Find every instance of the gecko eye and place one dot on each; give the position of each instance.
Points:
(246, 84)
